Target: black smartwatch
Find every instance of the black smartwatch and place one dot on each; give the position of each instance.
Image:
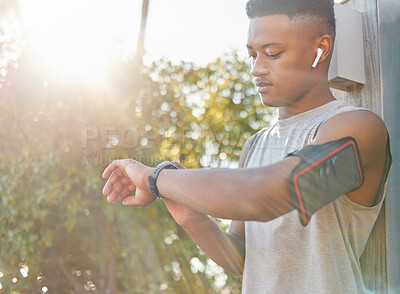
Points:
(154, 176)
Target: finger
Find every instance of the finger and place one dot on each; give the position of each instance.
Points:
(115, 164)
(111, 182)
(141, 198)
(121, 195)
(118, 187)
(116, 176)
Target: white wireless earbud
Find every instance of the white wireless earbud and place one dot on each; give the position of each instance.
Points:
(319, 54)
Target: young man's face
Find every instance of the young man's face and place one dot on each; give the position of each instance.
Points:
(282, 53)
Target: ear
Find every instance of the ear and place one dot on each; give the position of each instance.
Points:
(326, 44)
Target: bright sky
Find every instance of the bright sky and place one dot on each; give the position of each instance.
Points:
(81, 37)
(196, 30)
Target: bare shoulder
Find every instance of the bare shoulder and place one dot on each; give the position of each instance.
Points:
(367, 128)
(359, 124)
(370, 132)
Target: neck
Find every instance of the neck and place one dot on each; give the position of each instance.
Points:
(314, 98)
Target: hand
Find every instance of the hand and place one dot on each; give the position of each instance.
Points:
(183, 215)
(124, 177)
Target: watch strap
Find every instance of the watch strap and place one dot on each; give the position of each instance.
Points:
(153, 177)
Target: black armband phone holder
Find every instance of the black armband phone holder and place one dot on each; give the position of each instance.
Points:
(325, 172)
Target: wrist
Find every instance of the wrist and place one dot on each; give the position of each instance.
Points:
(152, 179)
(148, 172)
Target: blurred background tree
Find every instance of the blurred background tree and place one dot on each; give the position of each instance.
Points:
(57, 134)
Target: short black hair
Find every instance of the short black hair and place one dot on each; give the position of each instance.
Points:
(319, 12)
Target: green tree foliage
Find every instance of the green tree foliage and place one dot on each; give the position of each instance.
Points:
(56, 137)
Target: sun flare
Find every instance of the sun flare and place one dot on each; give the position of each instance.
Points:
(80, 38)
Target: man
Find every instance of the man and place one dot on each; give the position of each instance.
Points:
(291, 44)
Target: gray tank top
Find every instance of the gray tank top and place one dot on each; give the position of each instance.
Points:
(282, 256)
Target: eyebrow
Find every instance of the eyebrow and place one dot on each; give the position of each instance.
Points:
(264, 46)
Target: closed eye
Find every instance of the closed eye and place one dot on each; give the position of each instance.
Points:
(274, 55)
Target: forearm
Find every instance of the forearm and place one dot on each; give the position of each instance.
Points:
(241, 194)
(225, 249)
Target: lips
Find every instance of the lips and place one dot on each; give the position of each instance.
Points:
(263, 86)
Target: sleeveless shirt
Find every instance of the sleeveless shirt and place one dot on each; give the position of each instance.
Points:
(281, 255)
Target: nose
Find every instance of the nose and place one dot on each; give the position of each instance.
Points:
(259, 67)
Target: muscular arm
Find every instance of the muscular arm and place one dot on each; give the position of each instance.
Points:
(242, 194)
(370, 133)
(260, 194)
(227, 249)
(263, 194)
